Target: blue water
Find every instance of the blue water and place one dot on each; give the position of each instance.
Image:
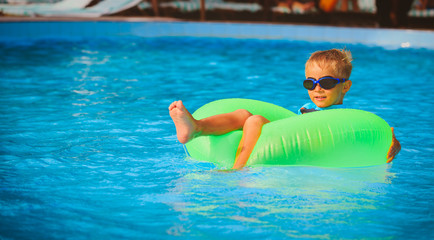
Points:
(88, 150)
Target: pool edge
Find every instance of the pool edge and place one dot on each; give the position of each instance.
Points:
(151, 27)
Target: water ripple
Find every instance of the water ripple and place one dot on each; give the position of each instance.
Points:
(88, 150)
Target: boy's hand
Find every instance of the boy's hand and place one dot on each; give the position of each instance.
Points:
(394, 149)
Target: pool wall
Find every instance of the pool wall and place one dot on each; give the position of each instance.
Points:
(391, 38)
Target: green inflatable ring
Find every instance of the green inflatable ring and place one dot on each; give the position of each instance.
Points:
(332, 138)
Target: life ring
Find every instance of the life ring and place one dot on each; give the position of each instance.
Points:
(330, 138)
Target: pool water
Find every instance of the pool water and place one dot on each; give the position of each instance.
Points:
(88, 150)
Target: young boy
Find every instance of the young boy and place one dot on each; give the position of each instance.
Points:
(327, 81)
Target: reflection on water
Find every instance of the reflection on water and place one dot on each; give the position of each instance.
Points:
(257, 196)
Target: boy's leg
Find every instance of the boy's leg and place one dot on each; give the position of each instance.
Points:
(187, 127)
(251, 131)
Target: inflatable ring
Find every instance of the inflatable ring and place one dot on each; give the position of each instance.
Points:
(331, 138)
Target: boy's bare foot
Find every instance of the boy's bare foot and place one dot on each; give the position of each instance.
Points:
(184, 122)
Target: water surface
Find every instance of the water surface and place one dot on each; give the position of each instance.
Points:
(88, 150)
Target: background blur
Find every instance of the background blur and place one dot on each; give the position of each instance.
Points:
(358, 13)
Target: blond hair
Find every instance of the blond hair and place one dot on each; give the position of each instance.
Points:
(337, 60)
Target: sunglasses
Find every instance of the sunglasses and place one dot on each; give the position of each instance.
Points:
(324, 82)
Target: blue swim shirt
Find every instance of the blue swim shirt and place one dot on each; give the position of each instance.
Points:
(310, 107)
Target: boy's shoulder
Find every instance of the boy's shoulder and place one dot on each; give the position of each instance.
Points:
(311, 107)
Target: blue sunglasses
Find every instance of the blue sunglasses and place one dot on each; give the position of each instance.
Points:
(324, 82)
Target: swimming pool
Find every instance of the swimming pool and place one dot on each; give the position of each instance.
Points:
(88, 150)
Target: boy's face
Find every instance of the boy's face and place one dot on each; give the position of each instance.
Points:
(326, 97)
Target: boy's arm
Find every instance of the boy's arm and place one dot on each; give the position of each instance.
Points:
(394, 149)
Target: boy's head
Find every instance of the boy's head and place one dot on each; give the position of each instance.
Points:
(333, 67)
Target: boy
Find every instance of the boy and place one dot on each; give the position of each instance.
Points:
(327, 81)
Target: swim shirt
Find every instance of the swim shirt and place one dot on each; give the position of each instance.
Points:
(310, 107)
